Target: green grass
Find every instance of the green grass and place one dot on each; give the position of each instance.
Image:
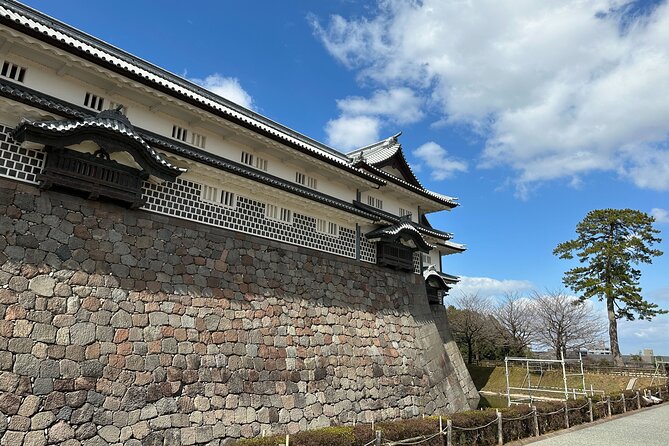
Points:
(493, 379)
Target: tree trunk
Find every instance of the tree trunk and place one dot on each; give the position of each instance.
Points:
(469, 351)
(613, 334)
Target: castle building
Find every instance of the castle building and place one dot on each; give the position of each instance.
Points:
(142, 209)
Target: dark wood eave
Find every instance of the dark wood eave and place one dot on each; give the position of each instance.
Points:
(163, 88)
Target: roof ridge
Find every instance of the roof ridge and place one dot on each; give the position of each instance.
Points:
(56, 25)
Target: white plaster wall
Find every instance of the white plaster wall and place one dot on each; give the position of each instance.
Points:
(155, 119)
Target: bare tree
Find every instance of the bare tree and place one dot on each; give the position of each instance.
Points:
(515, 315)
(470, 322)
(561, 322)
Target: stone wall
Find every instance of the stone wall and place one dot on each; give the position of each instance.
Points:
(126, 327)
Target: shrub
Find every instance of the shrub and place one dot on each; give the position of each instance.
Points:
(471, 419)
(516, 424)
(330, 436)
(411, 428)
(273, 440)
(548, 420)
(515, 429)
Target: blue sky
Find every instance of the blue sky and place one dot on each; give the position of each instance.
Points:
(531, 115)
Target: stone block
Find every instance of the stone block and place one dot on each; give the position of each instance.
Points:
(42, 285)
(82, 333)
(60, 432)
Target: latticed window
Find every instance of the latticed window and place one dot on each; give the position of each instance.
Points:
(198, 140)
(13, 71)
(375, 202)
(327, 227)
(179, 133)
(93, 101)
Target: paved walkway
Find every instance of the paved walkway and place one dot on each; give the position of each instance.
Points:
(649, 427)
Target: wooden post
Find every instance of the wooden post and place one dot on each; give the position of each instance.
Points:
(287, 440)
(536, 421)
(659, 392)
(608, 404)
(441, 426)
(500, 437)
(378, 439)
(638, 400)
(566, 414)
(592, 416)
(449, 437)
(624, 404)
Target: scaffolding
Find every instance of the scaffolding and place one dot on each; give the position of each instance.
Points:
(527, 394)
(660, 373)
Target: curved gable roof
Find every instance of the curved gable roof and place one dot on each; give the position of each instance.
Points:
(110, 129)
(387, 152)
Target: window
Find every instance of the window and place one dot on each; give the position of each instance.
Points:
(94, 102)
(209, 193)
(198, 140)
(254, 161)
(274, 212)
(228, 199)
(404, 213)
(14, 72)
(375, 202)
(271, 211)
(327, 227)
(306, 180)
(179, 133)
(261, 163)
(247, 158)
(427, 260)
(214, 195)
(286, 215)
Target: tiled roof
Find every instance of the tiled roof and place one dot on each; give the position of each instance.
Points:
(59, 34)
(446, 280)
(443, 199)
(398, 228)
(374, 156)
(379, 151)
(388, 217)
(54, 105)
(458, 247)
(110, 120)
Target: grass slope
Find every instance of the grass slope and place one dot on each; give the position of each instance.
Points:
(493, 379)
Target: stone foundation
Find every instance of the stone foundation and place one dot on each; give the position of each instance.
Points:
(127, 327)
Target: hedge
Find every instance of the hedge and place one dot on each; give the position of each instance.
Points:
(475, 428)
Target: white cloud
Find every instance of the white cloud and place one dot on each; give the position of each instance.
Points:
(637, 335)
(228, 87)
(399, 105)
(351, 132)
(661, 215)
(489, 287)
(361, 119)
(437, 159)
(556, 89)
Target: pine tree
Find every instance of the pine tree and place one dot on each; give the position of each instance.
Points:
(609, 243)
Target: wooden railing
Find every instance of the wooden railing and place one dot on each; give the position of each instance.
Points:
(394, 256)
(96, 176)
